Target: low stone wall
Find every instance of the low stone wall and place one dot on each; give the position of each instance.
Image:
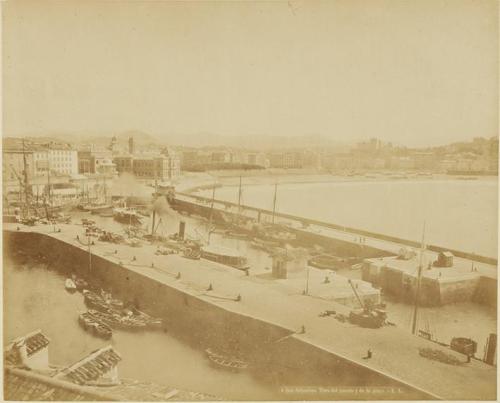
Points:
(433, 292)
(486, 292)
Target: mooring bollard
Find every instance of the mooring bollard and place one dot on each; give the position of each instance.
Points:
(210, 288)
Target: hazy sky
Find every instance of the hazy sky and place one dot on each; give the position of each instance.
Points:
(412, 72)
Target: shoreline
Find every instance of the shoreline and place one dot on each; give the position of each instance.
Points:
(197, 182)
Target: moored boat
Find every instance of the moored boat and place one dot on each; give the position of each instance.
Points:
(115, 320)
(225, 256)
(330, 262)
(92, 325)
(70, 285)
(150, 321)
(225, 362)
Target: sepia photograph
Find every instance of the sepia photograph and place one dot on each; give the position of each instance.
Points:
(249, 200)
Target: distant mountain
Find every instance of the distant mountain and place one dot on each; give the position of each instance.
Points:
(97, 138)
(201, 139)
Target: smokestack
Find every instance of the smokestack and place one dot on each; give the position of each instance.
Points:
(182, 228)
(131, 148)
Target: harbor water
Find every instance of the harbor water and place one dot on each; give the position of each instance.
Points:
(35, 298)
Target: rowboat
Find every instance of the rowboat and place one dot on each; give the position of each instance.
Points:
(116, 321)
(95, 301)
(70, 285)
(224, 362)
(92, 325)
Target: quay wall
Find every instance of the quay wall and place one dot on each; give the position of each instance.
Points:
(433, 292)
(307, 221)
(274, 351)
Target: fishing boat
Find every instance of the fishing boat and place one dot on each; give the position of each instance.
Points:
(112, 302)
(80, 283)
(150, 321)
(224, 362)
(94, 301)
(92, 325)
(70, 285)
(101, 303)
(115, 320)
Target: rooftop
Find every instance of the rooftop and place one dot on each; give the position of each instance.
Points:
(34, 341)
(91, 367)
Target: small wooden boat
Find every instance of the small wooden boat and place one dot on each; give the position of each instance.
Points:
(115, 320)
(150, 321)
(224, 362)
(330, 262)
(70, 285)
(95, 301)
(192, 253)
(92, 325)
(81, 284)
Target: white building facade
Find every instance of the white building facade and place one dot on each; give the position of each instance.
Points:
(60, 160)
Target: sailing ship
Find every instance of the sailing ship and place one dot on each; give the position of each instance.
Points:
(102, 204)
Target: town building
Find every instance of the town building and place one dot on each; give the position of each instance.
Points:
(59, 158)
(164, 166)
(93, 160)
(286, 159)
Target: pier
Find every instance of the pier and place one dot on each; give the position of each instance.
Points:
(470, 278)
(210, 303)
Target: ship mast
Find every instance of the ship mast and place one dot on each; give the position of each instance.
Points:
(274, 201)
(154, 200)
(419, 279)
(211, 214)
(26, 185)
(239, 202)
